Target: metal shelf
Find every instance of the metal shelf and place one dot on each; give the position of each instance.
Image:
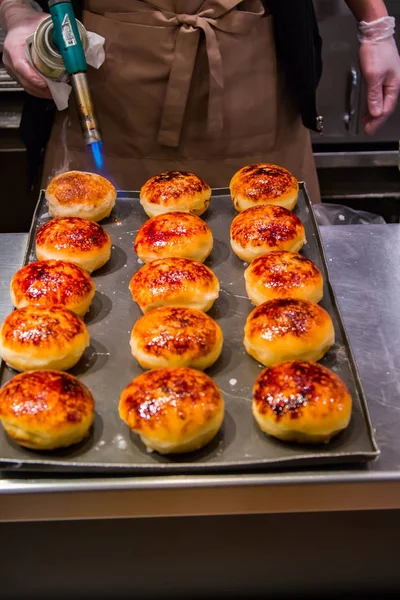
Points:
(368, 159)
(10, 120)
(7, 84)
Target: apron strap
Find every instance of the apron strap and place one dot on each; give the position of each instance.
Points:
(177, 94)
(181, 75)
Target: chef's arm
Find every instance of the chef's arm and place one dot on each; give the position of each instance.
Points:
(19, 20)
(367, 10)
(379, 60)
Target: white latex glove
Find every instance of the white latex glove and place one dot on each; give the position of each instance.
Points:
(18, 28)
(380, 66)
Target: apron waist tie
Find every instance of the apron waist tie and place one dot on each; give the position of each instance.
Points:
(180, 79)
(213, 15)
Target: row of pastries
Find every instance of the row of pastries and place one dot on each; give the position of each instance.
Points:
(288, 331)
(45, 407)
(173, 406)
(295, 398)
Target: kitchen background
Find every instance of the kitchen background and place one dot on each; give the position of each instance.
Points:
(354, 170)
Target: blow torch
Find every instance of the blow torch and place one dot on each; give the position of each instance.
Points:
(66, 38)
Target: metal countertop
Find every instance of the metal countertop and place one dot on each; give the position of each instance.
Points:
(364, 266)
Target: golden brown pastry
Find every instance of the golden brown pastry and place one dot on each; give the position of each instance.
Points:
(175, 336)
(49, 282)
(288, 329)
(81, 194)
(301, 402)
(174, 281)
(175, 191)
(43, 337)
(76, 240)
(173, 410)
(173, 234)
(262, 229)
(44, 410)
(264, 183)
(283, 274)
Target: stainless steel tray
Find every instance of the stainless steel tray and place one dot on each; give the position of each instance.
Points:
(108, 366)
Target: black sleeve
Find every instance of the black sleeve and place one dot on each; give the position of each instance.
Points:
(36, 123)
(298, 47)
(38, 116)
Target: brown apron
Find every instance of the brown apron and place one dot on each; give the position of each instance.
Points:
(194, 90)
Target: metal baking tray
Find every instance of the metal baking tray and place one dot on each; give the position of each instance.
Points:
(107, 366)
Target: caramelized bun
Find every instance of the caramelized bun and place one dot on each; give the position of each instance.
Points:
(44, 410)
(76, 240)
(37, 338)
(262, 229)
(283, 274)
(288, 329)
(175, 191)
(49, 282)
(173, 234)
(264, 184)
(173, 410)
(301, 402)
(174, 281)
(175, 336)
(81, 194)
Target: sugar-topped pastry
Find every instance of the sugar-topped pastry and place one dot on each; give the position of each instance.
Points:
(262, 229)
(283, 274)
(264, 183)
(80, 194)
(174, 234)
(288, 329)
(176, 336)
(45, 410)
(49, 282)
(173, 410)
(175, 191)
(80, 241)
(43, 337)
(174, 281)
(301, 402)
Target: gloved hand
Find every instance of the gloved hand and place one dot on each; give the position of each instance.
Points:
(19, 25)
(380, 66)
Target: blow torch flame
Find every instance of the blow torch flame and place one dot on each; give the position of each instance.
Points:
(97, 151)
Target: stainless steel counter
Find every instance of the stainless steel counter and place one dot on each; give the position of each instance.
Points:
(363, 262)
(12, 250)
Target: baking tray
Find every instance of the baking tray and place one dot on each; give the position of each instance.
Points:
(107, 366)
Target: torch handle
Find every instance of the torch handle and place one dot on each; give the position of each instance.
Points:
(66, 36)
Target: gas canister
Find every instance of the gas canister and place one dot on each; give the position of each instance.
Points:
(44, 53)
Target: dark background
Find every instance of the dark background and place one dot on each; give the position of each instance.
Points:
(336, 555)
